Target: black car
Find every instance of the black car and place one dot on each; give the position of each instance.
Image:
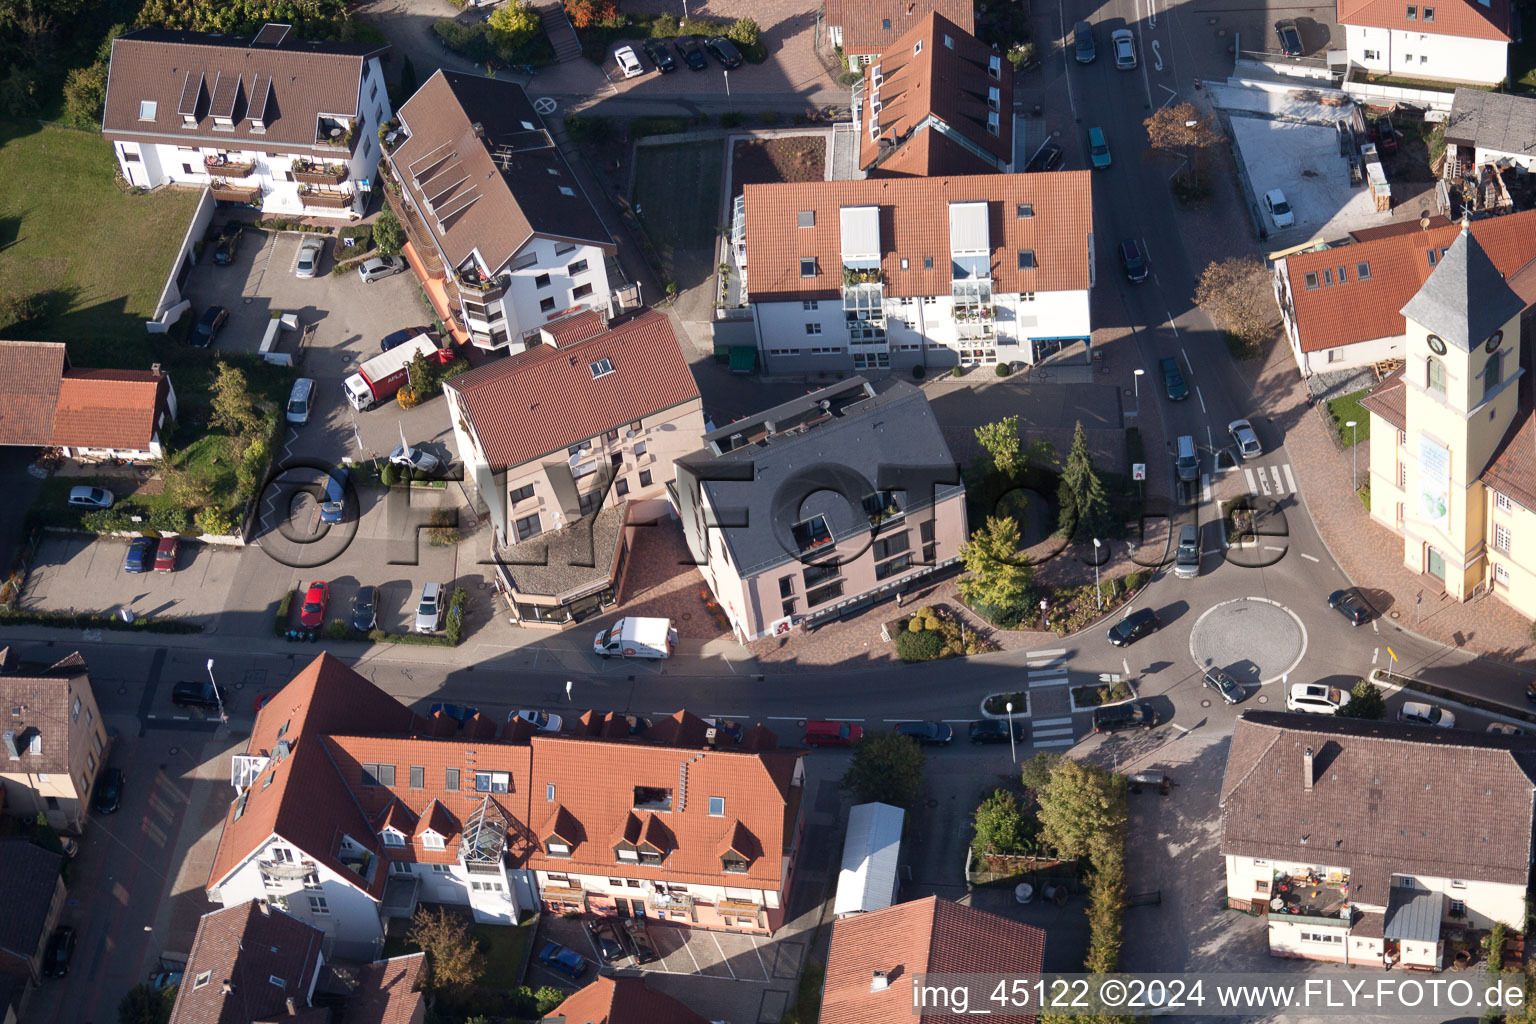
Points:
(928, 734)
(642, 948)
(724, 51)
(229, 244)
(400, 337)
(1047, 159)
(460, 713)
(688, 49)
(1351, 605)
(365, 609)
(660, 55)
(605, 936)
(195, 694)
(1133, 627)
(995, 730)
(1290, 38)
(1225, 686)
(208, 326)
(60, 948)
(141, 554)
(1133, 714)
(1133, 261)
(109, 792)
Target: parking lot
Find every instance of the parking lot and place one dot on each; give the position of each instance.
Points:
(77, 572)
(699, 952)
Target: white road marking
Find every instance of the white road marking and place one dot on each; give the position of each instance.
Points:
(723, 958)
(1202, 400)
(760, 961)
(1205, 487)
(784, 718)
(1263, 480)
(1175, 330)
(902, 719)
(1252, 487)
(1276, 471)
(1186, 358)
(954, 720)
(696, 968)
(1290, 481)
(1125, 663)
(1054, 653)
(1061, 14)
(1208, 554)
(1059, 681)
(1271, 547)
(1375, 655)
(1375, 627)
(1157, 50)
(1045, 722)
(1179, 727)
(1069, 741)
(1210, 439)
(1310, 558)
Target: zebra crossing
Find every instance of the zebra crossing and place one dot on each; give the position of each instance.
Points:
(1044, 671)
(1268, 480)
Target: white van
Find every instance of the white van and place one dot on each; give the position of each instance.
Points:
(298, 400)
(1186, 562)
(632, 637)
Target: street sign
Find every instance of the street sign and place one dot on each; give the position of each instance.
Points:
(1138, 471)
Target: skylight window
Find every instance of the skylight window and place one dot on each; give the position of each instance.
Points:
(530, 126)
(805, 218)
(147, 110)
(602, 368)
(566, 191)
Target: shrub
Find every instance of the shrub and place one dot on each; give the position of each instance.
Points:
(338, 629)
(513, 26)
(744, 32)
(170, 520)
(919, 372)
(388, 235)
(280, 620)
(643, 127)
(769, 117)
(389, 475)
(455, 627)
(1003, 369)
(955, 371)
(732, 119)
(1133, 581)
(915, 624)
(849, 78)
(921, 646)
(587, 129)
(407, 398)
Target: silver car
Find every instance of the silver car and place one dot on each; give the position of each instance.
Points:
(414, 458)
(1124, 44)
(429, 612)
(1242, 434)
(90, 497)
(379, 268)
(308, 264)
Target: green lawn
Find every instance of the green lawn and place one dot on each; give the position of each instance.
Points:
(1345, 408)
(66, 230)
(677, 190)
(1522, 63)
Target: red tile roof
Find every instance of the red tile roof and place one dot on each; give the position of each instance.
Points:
(543, 401)
(1512, 470)
(864, 21)
(936, 70)
(325, 697)
(594, 784)
(1332, 316)
(622, 1001)
(1465, 18)
(388, 992)
(1388, 400)
(29, 390)
(914, 225)
(246, 945)
(928, 935)
(108, 409)
(568, 330)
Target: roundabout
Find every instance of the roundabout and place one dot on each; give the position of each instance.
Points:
(1254, 639)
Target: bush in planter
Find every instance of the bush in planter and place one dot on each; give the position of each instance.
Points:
(918, 372)
(1133, 581)
(955, 371)
(921, 646)
(1003, 369)
(389, 475)
(732, 119)
(338, 629)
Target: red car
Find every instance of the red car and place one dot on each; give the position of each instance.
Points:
(312, 615)
(165, 554)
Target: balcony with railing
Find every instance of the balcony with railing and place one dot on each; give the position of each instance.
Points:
(223, 166)
(325, 198)
(313, 172)
(226, 192)
(476, 286)
(339, 134)
(864, 304)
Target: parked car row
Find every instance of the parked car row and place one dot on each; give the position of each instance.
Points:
(690, 49)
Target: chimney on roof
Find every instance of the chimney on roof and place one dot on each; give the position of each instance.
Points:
(479, 130)
(1306, 770)
(154, 368)
(266, 909)
(879, 983)
(293, 1007)
(228, 987)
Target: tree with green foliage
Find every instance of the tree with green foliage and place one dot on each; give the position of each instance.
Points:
(743, 32)
(999, 824)
(232, 409)
(996, 572)
(388, 235)
(454, 960)
(1036, 772)
(1001, 442)
(1365, 701)
(1085, 509)
(85, 94)
(145, 1004)
(886, 768)
(1079, 804)
(513, 26)
(407, 79)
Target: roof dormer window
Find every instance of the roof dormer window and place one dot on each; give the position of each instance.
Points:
(995, 67)
(917, 47)
(1413, 13)
(392, 838)
(602, 368)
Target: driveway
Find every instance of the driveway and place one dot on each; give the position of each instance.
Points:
(76, 572)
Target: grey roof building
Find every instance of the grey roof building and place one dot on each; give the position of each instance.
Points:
(1494, 123)
(1383, 800)
(1465, 298)
(31, 899)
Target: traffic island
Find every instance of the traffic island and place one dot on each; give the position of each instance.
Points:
(996, 705)
(1110, 689)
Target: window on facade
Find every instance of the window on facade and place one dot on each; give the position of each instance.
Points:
(1026, 259)
(542, 281)
(557, 849)
(546, 305)
(787, 586)
(807, 267)
(579, 267)
(813, 328)
(589, 501)
(815, 574)
(621, 487)
(528, 527)
(1503, 503)
(1493, 373)
(810, 305)
(1501, 574)
(491, 782)
(1501, 537)
(885, 547)
(1458, 908)
(1434, 375)
(581, 291)
(821, 595)
(630, 855)
(787, 608)
(1372, 55)
(896, 566)
(522, 493)
(75, 714)
(812, 533)
(451, 780)
(318, 905)
(1402, 474)
(393, 838)
(645, 478)
(378, 774)
(431, 841)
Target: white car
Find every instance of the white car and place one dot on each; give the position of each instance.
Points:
(1279, 210)
(1417, 713)
(628, 62)
(308, 264)
(90, 497)
(379, 268)
(414, 458)
(1314, 698)
(1505, 729)
(543, 721)
(1246, 440)
(429, 611)
(1123, 42)
(298, 400)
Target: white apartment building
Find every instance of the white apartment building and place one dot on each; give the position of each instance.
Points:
(501, 233)
(897, 272)
(1452, 40)
(276, 123)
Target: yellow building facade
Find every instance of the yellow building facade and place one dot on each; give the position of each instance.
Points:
(1452, 445)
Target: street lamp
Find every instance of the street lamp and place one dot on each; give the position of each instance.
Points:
(1097, 593)
(1137, 380)
(1011, 748)
(1354, 452)
(223, 715)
